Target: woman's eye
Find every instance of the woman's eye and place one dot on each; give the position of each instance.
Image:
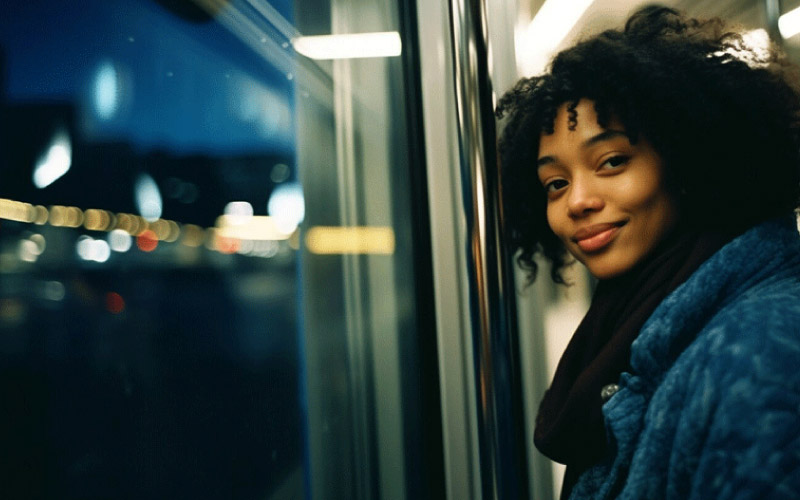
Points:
(615, 162)
(553, 186)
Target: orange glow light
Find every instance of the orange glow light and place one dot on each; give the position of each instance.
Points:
(147, 241)
(228, 245)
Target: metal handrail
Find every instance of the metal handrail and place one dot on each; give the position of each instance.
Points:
(492, 299)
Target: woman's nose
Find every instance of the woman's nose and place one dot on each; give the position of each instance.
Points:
(583, 199)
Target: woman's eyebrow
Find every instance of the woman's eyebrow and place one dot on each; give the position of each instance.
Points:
(605, 135)
(544, 160)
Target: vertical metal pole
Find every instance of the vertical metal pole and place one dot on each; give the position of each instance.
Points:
(772, 10)
(492, 307)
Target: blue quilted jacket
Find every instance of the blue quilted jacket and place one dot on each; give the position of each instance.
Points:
(711, 410)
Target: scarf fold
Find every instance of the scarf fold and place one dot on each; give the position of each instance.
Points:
(569, 425)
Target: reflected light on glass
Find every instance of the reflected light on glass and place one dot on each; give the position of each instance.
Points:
(210, 241)
(61, 216)
(160, 228)
(55, 162)
(350, 240)
(58, 215)
(789, 23)
(40, 243)
(147, 241)
(139, 225)
(12, 311)
(238, 212)
(73, 217)
(287, 206)
(246, 247)
(294, 241)
(115, 304)
(97, 220)
(264, 107)
(193, 235)
(17, 211)
(174, 232)
(261, 248)
(91, 249)
(106, 91)
(552, 23)
(226, 245)
(351, 46)
(119, 240)
(280, 172)
(148, 198)
(129, 223)
(41, 215)
(28, 251)
(266, 249)
(100, 251)
(258, 227)
(55, 291)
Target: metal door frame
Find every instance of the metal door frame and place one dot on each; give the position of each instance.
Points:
(481, 396)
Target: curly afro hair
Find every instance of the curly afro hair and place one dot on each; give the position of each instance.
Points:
(723, 116)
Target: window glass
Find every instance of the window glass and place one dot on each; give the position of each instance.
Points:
(207, 272)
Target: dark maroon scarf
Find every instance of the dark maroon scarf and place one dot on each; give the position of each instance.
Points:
(569, 426)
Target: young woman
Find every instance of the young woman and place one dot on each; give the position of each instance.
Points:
(665, 157)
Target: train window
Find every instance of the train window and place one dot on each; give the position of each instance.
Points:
(207, 251)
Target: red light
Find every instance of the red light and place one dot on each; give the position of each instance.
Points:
(147, 241)
(115, 304)
(228, 245)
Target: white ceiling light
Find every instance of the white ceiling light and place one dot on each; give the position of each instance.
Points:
(789, 23)
(552, 23)
(351, 46)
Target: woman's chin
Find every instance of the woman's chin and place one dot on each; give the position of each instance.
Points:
(605, 267)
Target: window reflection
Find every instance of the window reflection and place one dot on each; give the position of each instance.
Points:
(182, 313)
(144, 352)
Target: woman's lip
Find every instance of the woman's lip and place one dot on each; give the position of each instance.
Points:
(596, 236)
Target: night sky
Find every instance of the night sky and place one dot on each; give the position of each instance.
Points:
(184, 85)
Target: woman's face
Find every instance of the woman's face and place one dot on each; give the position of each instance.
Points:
(606, 197)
